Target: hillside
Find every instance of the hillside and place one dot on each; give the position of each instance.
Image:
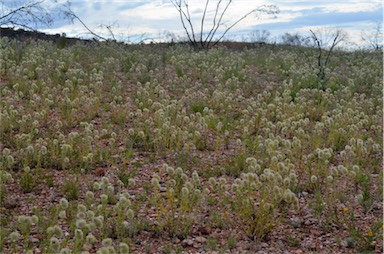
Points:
(111, 148)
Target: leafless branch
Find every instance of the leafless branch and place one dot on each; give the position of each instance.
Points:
(326, 40)
(374, 38)
(71, 15)
(218, 24)
(183, 15)
(266, 9)
(202, 20)
(220, 11)
(29, 14)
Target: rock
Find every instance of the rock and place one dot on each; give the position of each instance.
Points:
(39, 237)
(12, 203)
(315, 232)
(153, 215)
(296, 222)
(34, 240)
(200, 239)
(205, 230)
(313, 247)
(100, 172)
(264, 245)
(187, 242)
(348, 242)
(309, 221)
(298, 251)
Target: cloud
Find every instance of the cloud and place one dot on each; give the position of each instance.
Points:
(151, 11)
(96, 6)
(317, 16)
(153, 17)
(341, 6)
(307, 15)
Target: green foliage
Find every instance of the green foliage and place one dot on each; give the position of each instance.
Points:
(231, 242)
(3, 194)
(259, 219)
(62, 41)
(237, 165)
(27, 182)
(363, 240)
(71, 189)
(365, 198)
(198, 106)
(126, 176)
(177, 206)
(212, 243)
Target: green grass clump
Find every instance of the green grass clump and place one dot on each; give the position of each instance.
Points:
(71, 189)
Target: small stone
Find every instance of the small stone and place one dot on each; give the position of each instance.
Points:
(100, 172)
(264, 245)
(313, 247)
(298, 251)
(309, 222)
(315, 232)
(34, 240)
(296, 222)
(205, 230)
(153, 215)
(348, 242)
(200, 239)
(12, 203)
(187, 242)
(39, 237)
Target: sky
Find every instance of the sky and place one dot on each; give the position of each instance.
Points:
(158, 20)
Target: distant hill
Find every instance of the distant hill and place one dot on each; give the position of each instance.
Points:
(21, 34)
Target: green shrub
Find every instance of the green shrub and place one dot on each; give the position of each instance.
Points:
(71, 189)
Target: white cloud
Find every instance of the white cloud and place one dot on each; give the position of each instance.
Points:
(156, 16)
(151, 11)
(356, 6)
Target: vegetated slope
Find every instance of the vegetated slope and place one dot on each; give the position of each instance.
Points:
(25, 35)
(153, 149)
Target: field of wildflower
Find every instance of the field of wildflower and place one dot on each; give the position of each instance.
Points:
(110, 148)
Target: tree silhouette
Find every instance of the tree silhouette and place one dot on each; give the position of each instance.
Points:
(374, 38)
(203, 37)
(25, 14)
(325, 40)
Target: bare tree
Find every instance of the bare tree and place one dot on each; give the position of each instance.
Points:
(260, 36)
(294, 39)
(375, 37)
(72, 16)
(205, 39)
(325, 40)
(25, 14)
(108, 28)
